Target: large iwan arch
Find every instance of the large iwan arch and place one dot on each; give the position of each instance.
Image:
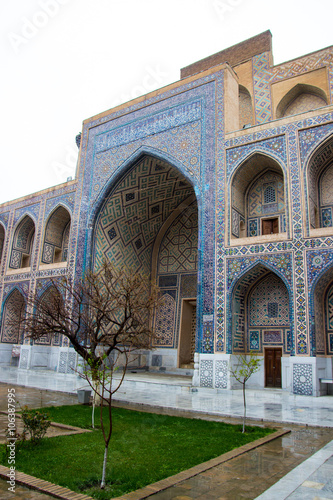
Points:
(148, 221)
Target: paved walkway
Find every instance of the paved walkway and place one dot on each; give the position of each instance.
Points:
(300, 464)
(310, 480)
(175, 392)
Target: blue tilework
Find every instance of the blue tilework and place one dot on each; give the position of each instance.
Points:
(184, 126)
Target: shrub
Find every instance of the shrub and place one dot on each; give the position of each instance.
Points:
(36, 423)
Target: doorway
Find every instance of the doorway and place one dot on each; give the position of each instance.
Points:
(273, 367)
(270, 226)
(187, 333)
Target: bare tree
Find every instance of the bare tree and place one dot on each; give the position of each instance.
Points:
(246, 366)
(105, 387)
(107, 317)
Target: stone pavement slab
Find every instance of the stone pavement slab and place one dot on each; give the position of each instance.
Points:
(311, 479)
(248, 476)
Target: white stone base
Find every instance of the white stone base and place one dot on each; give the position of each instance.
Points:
(5, 354)
(300, 375)
(163, 359)
(58, 359)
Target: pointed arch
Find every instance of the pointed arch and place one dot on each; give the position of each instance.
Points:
(144, 193)
(240, 326)
(318, 186)
(49, 294)
(128, 165)
(250, 207)
(165, 227)
(320, 312)
(13, 311)
(301, 98)
(23, 242)
(56, 236)
(149, 210)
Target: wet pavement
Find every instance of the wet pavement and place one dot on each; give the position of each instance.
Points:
(175, 392)
(296, 466)
(249, 475)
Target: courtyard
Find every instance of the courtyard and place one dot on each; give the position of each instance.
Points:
(246, 476)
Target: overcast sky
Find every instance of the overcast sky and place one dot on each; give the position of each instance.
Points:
(66, 60)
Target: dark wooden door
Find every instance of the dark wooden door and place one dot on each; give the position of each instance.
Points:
(270, 226)
(273, 367)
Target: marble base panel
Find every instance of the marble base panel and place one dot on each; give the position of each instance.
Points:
(300, 375)
(5, 354)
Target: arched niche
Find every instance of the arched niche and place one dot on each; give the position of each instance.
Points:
(319, 186)
(300, 99)
(258, 205)
(13, 312)
(22, 245)
(245, 108)
(321, 312)
(148, 222)
(56, 238)
(51, 298)
(268, 315)
(260, 321)
(260, 313)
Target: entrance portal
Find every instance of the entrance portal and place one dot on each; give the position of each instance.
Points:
(273, 367)
(148, 221)
(187, 333)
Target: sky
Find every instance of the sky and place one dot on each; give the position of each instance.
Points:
(63, 61)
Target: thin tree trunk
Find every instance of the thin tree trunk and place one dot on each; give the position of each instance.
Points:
(106, 436)
(95, 395)
(104, 467)
(93, 407)
(244, 401)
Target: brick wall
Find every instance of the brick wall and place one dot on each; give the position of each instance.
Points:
(233, 55)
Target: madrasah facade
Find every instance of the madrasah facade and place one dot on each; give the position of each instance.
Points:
(220, 187)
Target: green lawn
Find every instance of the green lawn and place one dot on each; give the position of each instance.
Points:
(144, 448)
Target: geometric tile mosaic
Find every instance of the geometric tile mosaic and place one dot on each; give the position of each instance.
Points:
(165, 322)
(206, 373)
(12, 312)
(134, 212)
(146, 159)
(302, 379)
(221, 374)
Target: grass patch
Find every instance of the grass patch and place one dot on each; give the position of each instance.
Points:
(144, 448)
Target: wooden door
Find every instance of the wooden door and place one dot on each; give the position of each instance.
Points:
(270, 226)
(187, 332)
(273, 367)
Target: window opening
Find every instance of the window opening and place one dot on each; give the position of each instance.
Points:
(25, 260)
(270, 195)
(272, 309)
